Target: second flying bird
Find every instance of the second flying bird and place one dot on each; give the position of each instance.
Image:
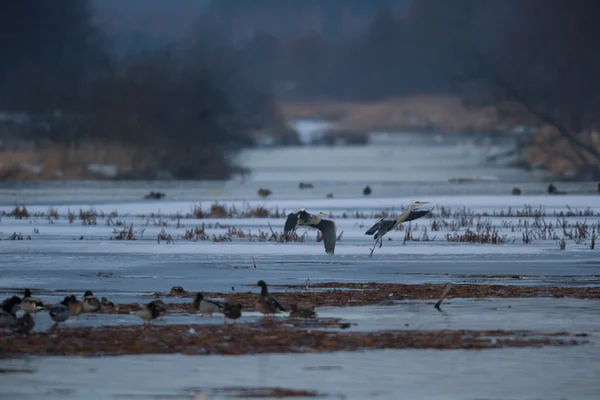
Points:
(326, 226)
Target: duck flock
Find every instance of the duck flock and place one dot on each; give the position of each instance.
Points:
(72, 307)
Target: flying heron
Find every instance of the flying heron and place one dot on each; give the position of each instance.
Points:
(383, 226)
(326, 226)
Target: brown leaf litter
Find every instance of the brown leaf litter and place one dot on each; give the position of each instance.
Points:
(371, 293)
(266, 336)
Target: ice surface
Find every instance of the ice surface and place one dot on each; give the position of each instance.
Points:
(56, 260)
(519, 374)
(479, 204)
(537, 314)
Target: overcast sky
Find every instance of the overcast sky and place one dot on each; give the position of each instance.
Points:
(157, 17)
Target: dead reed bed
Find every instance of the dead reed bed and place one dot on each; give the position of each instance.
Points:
(459, 225)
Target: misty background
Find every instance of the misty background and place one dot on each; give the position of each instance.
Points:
(174, 89)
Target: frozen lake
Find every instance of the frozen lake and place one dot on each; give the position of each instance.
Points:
(406, 165)
(66, 256)
(63, 254)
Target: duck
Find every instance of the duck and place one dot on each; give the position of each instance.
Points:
(91, 304)
(8, 312)
(516, 191)
(106, 303)
(264, 193)
(24, 324)
(160, 306)
(265, 303)
(31, 305)
(553, 190)
(12, 304)
(60, 312)
(75, 306)
(302, 312)
(205, 306)
(147, 312)
(305, 185)
(367, 191)
(154, 196)
(231, 311)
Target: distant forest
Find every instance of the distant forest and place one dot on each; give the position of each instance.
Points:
(211, 92)
(537, 60)
(182, 108)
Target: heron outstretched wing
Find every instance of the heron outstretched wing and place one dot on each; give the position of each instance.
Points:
(328, 229)
(386, 224)
(290, 222)
(374, 228)
(416, 214)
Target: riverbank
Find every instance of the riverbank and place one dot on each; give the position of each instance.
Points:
(441, 114)
(109, 161)
(354, 121)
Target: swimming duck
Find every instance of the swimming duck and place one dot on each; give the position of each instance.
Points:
(231, 311)
(91, 304)
(8, 312)
(367, 191)
(60, 312)
(31, 305)
(205, 306)
(267, 304)
(23, 325)
(264, 193)
(106, 303)
(75, 306)
(147, 312)
(302, 312)
(155, 195)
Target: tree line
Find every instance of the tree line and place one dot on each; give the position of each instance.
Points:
(536, 60)
(186, 107)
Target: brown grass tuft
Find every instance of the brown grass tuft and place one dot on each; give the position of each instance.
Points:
(124, 234)
(19, 212)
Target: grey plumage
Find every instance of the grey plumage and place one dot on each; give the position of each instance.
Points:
(60, 312)
(8, 311)
(205, 306)
(303, 218)
(383, 226)
(23, 325)
(232, 311)
(265, 303)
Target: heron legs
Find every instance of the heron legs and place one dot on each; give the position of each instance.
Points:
(380, 241)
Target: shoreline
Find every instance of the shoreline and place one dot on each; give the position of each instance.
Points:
(263, 337)
(293, 335)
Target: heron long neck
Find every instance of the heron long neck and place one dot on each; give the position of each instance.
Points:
(406, 214)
